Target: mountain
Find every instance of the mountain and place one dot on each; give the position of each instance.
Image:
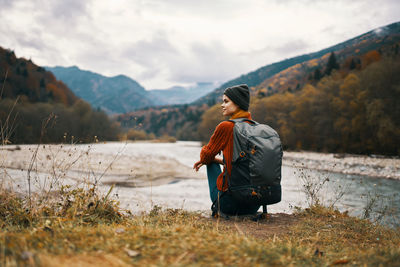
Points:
(121, 94)
(37, 108)
(183, 95)
(378, 39)
(118, 94)
(21, 77)
(354, 54)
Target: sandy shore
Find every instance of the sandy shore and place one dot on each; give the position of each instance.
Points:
(141, 168)
(83, 162)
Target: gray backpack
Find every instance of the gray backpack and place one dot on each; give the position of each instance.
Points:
(256, 163)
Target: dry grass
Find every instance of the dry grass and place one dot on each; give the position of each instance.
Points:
(83, 236)
(79, 205)
(78, 226)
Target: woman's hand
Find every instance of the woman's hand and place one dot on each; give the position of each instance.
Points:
(219, 161)
(197, 165)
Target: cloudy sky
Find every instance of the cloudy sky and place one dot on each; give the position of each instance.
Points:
(161, 43)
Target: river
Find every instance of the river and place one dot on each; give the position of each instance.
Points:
(183, 188)
(358, 191)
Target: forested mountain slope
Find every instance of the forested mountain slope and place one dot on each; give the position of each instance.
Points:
(383, 38)
(35, 107)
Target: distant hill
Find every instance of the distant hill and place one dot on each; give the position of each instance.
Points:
(118, 94)
(183, 95)
(37, 108)
(21, 77)
(121, 94)
(378, 39)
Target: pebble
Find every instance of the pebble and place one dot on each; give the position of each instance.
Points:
(26, 255)
(119, 230)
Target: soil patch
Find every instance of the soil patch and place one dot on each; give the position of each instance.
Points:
(274, 225)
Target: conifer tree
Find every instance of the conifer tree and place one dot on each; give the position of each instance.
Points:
(352, 64)
(332, 64)
(317, 75)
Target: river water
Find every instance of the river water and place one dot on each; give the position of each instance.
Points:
(353, 193)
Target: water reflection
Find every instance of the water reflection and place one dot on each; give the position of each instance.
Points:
(359, 195)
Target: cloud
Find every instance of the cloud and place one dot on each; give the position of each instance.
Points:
(160, 59)
(62, 18)
(150, 59)
(6, 5)
(32, 39)
(151, 52)
(163, 43)
(292, 47)
(69, 10)
(206, 8)
(207, 62)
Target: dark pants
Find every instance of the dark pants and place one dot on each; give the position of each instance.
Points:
(227, 204)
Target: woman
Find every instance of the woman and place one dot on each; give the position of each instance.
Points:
(235, 104)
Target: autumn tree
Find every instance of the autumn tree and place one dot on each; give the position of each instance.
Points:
(275, 111)
(359, 113)
(381, 82)
(370, 57)
(209, 120)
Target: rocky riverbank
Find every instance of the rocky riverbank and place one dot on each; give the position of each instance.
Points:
(144, 164)
(376, 166)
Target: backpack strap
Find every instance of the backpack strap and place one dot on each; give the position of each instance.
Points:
(215, 207)
(235, 140)
(242, 120)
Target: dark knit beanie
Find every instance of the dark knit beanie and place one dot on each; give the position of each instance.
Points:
(240, 95)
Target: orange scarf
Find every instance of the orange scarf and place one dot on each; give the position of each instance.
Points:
(240, 113)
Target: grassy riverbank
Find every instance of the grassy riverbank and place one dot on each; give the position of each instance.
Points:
(80, 228)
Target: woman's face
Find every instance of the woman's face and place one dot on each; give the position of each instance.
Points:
(228, 106)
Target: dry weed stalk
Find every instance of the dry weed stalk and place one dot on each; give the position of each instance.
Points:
(34, 156)
(312, 186)
(317, 188)
(378, 208)
(8, 126)
(49, 197)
